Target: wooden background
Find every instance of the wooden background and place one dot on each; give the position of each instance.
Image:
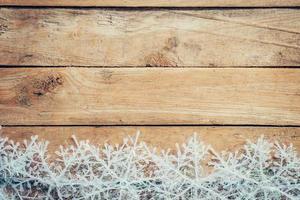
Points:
(103, 69)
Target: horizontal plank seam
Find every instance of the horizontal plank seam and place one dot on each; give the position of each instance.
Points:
(163, 125)
(152, 8)
(143, 67)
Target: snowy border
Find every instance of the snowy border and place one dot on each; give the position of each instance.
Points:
(133, 170)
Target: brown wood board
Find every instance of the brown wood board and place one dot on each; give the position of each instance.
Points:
(137, 96)
(163, 137)
(118, 38)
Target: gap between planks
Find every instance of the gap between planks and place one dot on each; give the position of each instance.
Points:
(154, 3)
(157, 125)
(168, 67)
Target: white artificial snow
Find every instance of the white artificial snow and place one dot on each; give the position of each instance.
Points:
(133, 170)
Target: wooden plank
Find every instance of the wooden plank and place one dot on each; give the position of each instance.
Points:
(155, 3)
(93, 37)
(110, 96)
(221, 138)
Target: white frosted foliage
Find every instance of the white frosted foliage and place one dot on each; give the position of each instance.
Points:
(134, 170)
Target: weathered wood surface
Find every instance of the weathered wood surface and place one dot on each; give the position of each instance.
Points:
(221, 138)
(87, 96)
(93, 37)
(156, 3)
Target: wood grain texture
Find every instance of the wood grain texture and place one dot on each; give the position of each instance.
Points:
(110, 96)
(100, 37)
(221, 138)
(159, 3)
